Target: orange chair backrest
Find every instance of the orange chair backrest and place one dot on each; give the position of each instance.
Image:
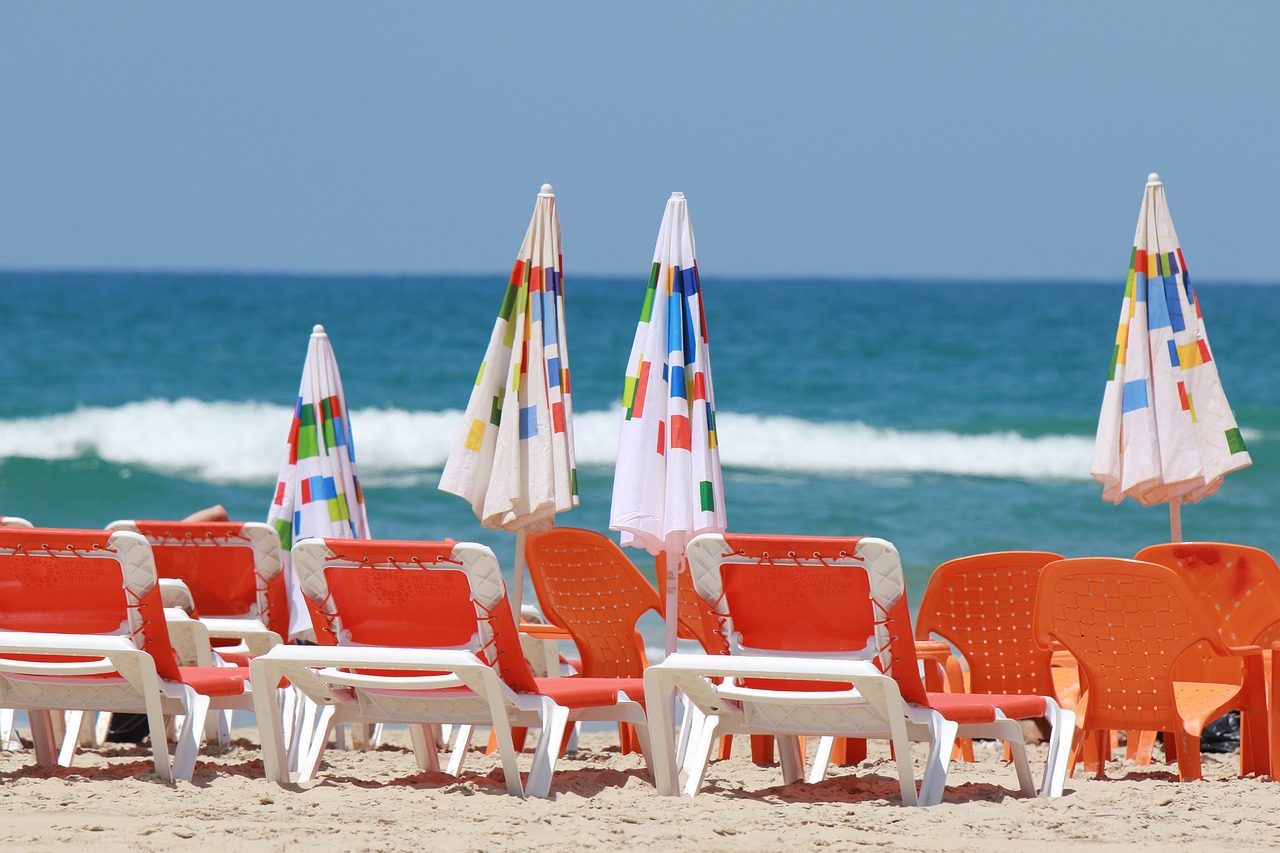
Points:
(1238, 585)
(228, 567)
(83, 582)
(412, 595)
(816, 594)
(1126, 622)
(588, 586)
(982, 605)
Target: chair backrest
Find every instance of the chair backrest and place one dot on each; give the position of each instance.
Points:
(232, 568)
(983, 606)
(588, 586)
(84, 582)
(1237, 584)
(811, 595)
(413, 595)
(1126, 622)
(1239, 587)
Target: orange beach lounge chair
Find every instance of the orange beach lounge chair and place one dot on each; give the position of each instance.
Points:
(422, 633)
(82, 627)
(821, 644)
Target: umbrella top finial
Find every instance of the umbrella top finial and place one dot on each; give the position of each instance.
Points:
(547, 189)
(317, 329)
(1153, 178)
(677, 195)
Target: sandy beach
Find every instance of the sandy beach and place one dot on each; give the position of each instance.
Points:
(111, 800)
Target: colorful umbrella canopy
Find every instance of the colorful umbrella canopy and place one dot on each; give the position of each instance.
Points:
(513, 457)
(317, 493)
(667, 486)
(1166, 433)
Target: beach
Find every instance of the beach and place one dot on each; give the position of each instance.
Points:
(379, 801)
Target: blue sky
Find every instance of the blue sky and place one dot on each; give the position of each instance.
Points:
(1001, 140)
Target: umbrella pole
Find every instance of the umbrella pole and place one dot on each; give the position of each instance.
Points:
(671, 567)
(517, 577)
(1175, 520)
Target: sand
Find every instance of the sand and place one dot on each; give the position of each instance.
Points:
(378, 800)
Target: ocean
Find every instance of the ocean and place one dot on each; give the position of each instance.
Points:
(950, 418)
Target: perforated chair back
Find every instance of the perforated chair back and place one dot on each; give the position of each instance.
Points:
(983, 606)
(1239, 586)
(1126, 622)
(588, 586)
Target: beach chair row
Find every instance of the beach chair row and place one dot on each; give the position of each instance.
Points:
(814, 633)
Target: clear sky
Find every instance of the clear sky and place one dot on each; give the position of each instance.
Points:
(952, 139)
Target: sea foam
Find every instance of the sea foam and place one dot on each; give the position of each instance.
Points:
(226, 442)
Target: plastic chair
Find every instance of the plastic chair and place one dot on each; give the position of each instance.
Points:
(804, 615)
(81, 626)
(1127, 622)
(982, 605)
(233, 574)
(1239, 588)
(587, 585)
(424, 634)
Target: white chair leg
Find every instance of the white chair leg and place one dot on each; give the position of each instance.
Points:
(424, 747)
(188, 743)
(1062, 726)
(309, 763)
(72, 720)
(791, 758)
(943, 737)
(461, 745)
(303, 728)
(42, 736)
(555, 718)
(701, 742)
(821, 759)
(691, 721)
(8, 732)
(267, 707)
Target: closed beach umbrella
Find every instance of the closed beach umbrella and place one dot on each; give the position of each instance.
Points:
(512, 458)
(318, 493)
(667, 486)
(1166, 433)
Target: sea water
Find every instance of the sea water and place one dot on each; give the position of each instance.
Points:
(950, 418)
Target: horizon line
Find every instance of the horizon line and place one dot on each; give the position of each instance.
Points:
(401, 274)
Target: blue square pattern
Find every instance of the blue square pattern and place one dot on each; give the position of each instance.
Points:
(528, 422)
(1135, 395)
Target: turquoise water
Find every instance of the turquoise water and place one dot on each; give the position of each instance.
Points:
(948, 417)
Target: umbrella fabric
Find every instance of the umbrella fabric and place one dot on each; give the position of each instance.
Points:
(317, 493)
(667, 485)
(513, 458)
(1166, 433)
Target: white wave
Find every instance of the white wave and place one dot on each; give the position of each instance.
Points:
(228, 442)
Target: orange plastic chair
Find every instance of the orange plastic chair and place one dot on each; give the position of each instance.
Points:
(982, 605)
(1239, 587)
(587, 585)
(1127, 622)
